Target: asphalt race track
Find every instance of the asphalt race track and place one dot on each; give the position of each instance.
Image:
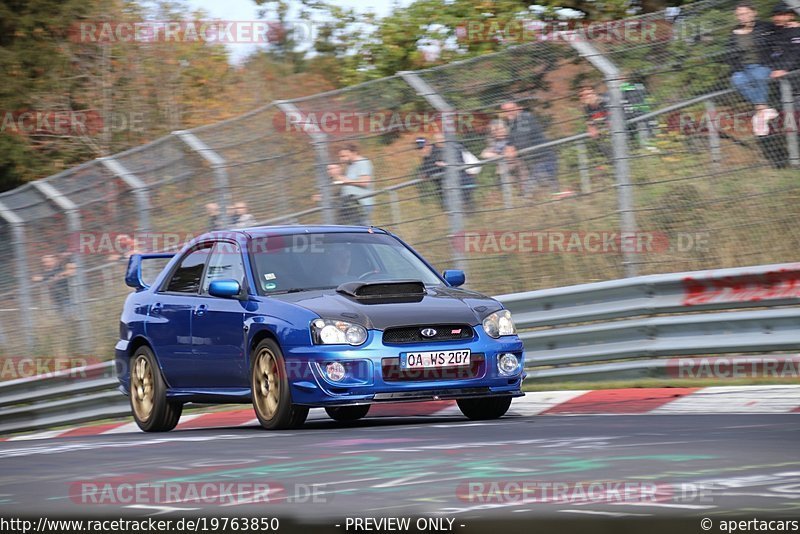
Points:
(702, 465)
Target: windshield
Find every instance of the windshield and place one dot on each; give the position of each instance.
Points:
(322, 261)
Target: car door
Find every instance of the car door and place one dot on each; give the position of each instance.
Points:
(169, 324)
(218, 336)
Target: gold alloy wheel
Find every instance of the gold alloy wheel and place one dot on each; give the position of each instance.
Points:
(266, 384)
(142, 393)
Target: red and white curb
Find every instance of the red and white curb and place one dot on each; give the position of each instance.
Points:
(653, 401)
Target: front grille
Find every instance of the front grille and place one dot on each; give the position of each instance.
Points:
(413, 334)
(393, 373)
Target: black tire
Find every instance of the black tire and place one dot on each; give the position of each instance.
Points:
(484, 408)
(346, 414)
(148, 394)
(269, 385)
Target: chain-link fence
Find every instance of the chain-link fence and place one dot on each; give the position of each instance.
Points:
(582, 155)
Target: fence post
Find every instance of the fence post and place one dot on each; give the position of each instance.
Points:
(788, 107)
(319, 140)
(138, 187)
(787, 98)
(454, 162)
(506, 183)
(394, 200)
(619, 139)
(218, 164)
(22, 273)
(713, 135)
(74, 225)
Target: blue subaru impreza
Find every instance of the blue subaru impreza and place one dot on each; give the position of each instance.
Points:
(295, 317)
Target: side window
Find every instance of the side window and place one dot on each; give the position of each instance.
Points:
(226, 263)
(186, 278)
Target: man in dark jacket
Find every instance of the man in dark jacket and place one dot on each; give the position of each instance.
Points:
(784, 43)
(433, 167)
(750, 56)
(525, 131)
(784, 47)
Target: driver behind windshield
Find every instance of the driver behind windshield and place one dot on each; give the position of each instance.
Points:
(340, 260)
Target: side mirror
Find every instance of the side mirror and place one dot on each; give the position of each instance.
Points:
(455, 277)
(225, 288)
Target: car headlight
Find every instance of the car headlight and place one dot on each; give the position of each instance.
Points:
(330, 332)
(499, 324)
(507, 364)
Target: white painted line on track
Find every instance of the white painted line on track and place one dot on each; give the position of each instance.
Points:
(664, 505)
(536, 402)
(38, 435)
(251, 422)
(72, 446)
(600, 512)
(735, 399)
(186, 418)
(124, 429)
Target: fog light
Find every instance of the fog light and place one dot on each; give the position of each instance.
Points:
(507, 364)
(335, 371)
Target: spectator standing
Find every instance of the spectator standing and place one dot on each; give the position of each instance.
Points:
(434, 167)
(431, 169)
(508, 168)
(241, 217)
(348, 209)
(785, 42)
(57, 271)
(636, 103)
(497, 140)
(749, 55)
(595, 110)
(359, 180)
(784, 48)
(524, 132)
(213, 213)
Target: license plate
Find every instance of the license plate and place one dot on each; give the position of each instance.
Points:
(444, 358)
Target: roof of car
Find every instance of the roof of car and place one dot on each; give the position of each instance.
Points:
(307, 229)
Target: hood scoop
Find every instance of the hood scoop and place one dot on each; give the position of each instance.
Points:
(396, 291)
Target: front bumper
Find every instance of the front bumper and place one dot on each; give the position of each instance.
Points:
(372, 372)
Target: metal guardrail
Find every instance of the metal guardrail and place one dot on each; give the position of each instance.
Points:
(65, 397)
(591, 331)
(725, 311)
